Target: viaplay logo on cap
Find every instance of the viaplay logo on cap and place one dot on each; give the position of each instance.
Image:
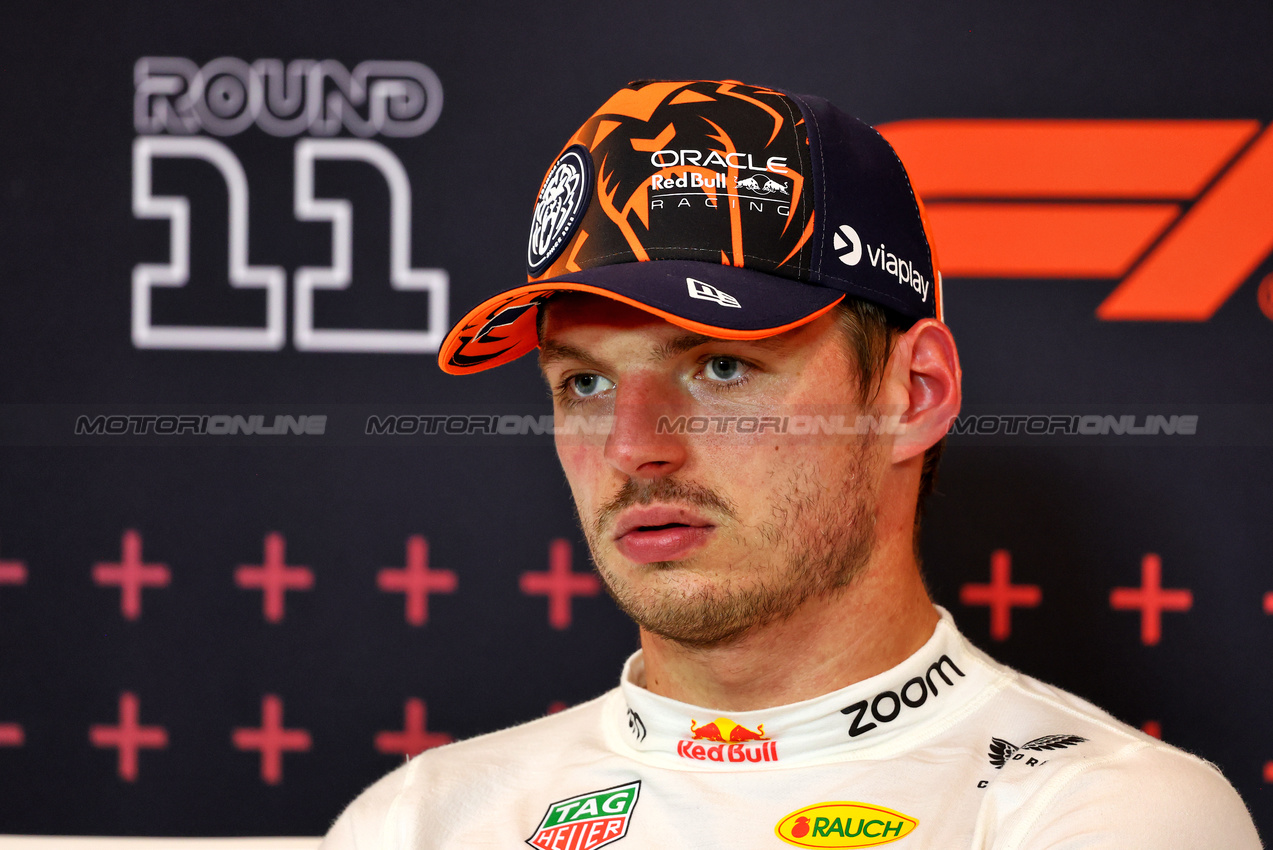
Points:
(587, 821)
(848, 250)
(560, 207)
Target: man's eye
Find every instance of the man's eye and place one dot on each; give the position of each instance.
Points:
(586, 386)
(724, 368)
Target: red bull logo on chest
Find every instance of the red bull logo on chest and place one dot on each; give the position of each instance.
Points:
(727, 741)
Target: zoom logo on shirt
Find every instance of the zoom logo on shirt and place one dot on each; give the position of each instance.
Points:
(886, 706)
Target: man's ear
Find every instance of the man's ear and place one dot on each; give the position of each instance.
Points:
(923, 384)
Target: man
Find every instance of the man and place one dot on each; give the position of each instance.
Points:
(738, 283)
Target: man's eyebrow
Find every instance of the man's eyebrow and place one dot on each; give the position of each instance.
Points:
(686, 342)
(551, 352)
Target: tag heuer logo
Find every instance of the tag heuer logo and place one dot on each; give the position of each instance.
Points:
(589, 820)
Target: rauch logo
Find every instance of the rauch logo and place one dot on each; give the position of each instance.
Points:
(844, 824)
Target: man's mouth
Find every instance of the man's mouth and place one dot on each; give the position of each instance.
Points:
(652, 533)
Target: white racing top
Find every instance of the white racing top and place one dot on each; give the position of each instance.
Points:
(947, 750)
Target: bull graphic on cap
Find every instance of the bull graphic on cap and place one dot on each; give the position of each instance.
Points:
(761, 188)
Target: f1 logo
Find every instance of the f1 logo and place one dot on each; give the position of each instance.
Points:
(707, 292)
(1179, 211)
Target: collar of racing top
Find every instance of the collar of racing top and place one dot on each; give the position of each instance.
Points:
(931, 689)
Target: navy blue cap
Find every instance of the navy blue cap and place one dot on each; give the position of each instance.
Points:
(732, 210)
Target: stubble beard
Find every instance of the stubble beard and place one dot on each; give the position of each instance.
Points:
(819, 538)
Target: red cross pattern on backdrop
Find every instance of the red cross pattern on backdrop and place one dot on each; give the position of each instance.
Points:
(129, 736)
(414, 737)
(560, 584)
(12, 572)
(1150, 599)
(274, 577)
(1001, 595)
(416, 581)
(1268, 609)
(131, 575)
(272, 739)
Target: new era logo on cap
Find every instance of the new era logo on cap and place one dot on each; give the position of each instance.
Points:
(707, 292)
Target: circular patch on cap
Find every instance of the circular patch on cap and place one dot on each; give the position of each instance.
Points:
(560, 207)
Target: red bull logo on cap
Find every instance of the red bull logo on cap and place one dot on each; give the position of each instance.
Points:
(730, 742)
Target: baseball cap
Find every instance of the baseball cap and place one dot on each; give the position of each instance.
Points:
(731, 210)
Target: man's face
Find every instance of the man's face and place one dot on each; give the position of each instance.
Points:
(703, 536)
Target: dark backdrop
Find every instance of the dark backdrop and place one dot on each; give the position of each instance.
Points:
(1076, 515)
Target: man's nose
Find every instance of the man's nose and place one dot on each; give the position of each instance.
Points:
(643, 442)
